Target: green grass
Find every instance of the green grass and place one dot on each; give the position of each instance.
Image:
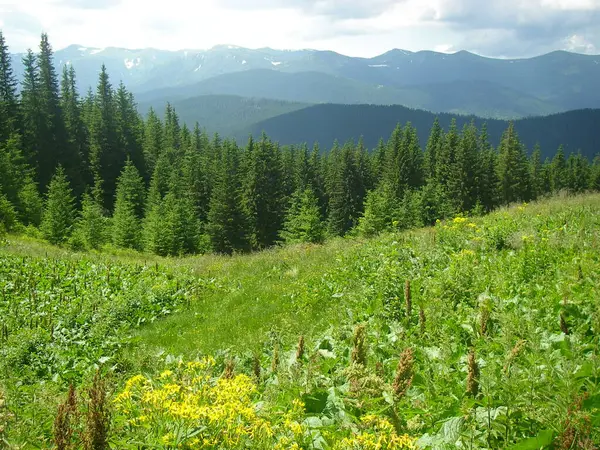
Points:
(521, 269)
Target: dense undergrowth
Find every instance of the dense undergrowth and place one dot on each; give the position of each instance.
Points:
(475, 333)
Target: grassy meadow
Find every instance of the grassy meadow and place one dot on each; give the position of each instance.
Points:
(478, 332)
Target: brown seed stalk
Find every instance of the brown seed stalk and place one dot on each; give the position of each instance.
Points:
(422, 319)
(563, 324)
(473, 375)
(97, 424)
(359, 350)
(256, 367)
(229, 369)
(275, 360)
(407, 298)
(404, 373)
(300, 350)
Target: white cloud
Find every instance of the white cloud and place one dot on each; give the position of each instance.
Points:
(501, 28)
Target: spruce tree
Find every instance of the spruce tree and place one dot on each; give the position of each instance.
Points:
(342, 211)
(59, 211)
(578, 173)
(153, 142)
(129, 126)
(107, 158)
(488, 182)
(30, 204)
(263, 196)
(8, 215)
(381, 206)
(463, 172)
(154, 239)
(595, 174)
(77, 150)
(513, 170)
(436, 136)
(54, 148)
(129, 206)
(34, 123)
(535, 172)
(558, 171)
(91, 227)
(9, 104)
(303, 222)
(227, 225)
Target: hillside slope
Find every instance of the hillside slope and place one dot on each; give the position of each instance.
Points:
(224, 114)
(576, 130)
(496, 332)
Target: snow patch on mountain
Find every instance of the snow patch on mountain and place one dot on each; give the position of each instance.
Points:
(97, 50)
(275, 63)
(198, 68)
(244, 62)
(131, 63)
(378, 65)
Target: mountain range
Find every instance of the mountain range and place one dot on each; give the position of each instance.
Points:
(461, 83)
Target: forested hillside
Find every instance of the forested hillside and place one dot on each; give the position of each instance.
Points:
(577, 130)
(90, 171)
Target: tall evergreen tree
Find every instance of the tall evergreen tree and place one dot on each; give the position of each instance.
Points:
(59, 212)
(107, 158)
(463, 172)
(129, 126)
(54, 148)
(77, 140)
(342, 211)
(380, 210)
(227, 225)
(513, 170)
(91, 228)
(34, 123)
(9, 104)
(488, 178)
(535, 173)
(432, 149)
(153, 142)
(129, 206)
(303, 221)
(595, 174)
(558, 171)
(263, 197)
(578, 173)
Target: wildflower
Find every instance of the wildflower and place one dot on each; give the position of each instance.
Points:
(459, 220)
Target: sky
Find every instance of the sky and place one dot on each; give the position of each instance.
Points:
(495, 28)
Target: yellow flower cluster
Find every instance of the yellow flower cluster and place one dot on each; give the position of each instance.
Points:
(379, 436)
(187, 408)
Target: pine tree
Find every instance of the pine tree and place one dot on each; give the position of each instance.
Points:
(227, 224)
(381, 206)
(90, 230)
(153, 142)
(488, 182)
(446, 156)
(340, 177)
(513, 171)
(154, 238)
(30, 204)
(106, 157)
(558, 171)
(129, 206)
(34, 123)
(303, 222)
(77, 140)
(9, 105)
(578, 173)
(129, 127)
(463, 172)
(595, 174)
(535, 172)
(59, 211)
(263, 194)
(432, 149)
(54, 148)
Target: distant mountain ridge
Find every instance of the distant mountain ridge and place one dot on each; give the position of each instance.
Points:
(459, 82)
(577, 130)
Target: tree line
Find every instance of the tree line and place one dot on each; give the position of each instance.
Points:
(90, 171)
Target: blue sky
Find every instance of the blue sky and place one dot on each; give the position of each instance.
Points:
(497, 28)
